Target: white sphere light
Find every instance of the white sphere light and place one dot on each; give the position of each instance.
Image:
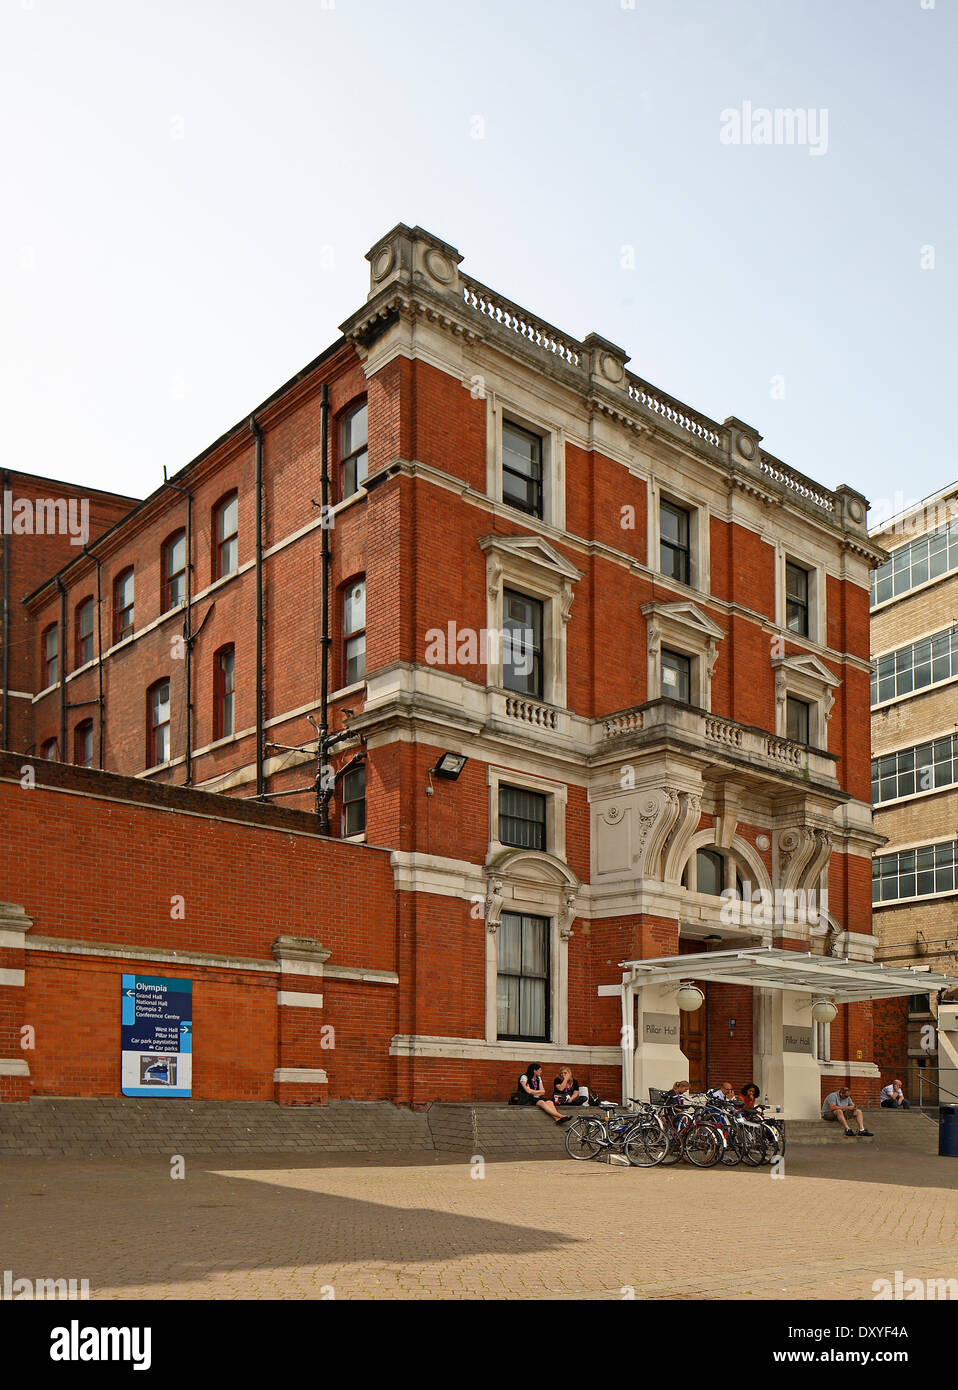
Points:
(823, 1011)
(690, 998)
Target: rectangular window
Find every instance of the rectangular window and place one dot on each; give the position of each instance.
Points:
(522, 818)
(928, 662)
(354, 802)
(174, 571)
(522, 623)
(927, 557)
(84, 632)
(225, 694)
(915, 873)
(83, 744)
(226, 537)
(158, 724)
(797, 720)
(911, 771)
(675, 554)
(123, 606)
(51, 656)
(676, 676)
(354, 632)
(522, 992)
(521, 469)
(796, 599)
(354, 450)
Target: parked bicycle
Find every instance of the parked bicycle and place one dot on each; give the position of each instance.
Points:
(638, 1134)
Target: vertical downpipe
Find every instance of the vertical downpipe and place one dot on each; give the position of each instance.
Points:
(188, 639)
(101, 722)
(62, 671)
(5, 541)
(260, 724)
(323, 792)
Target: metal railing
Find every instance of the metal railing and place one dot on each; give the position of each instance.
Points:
(939, 1090)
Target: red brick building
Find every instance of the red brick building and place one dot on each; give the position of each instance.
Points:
(644, 639)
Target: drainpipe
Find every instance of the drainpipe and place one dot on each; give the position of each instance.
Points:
(99, 657)
(260, 694)
(62, 672)
(323, 792)
(99, 663)
(188, 633)
(5, 631)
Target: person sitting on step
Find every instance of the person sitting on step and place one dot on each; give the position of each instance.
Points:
(533, 1091)
(835, 1107)
(893, 1097)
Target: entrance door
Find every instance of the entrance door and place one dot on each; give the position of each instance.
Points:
(692, 1041)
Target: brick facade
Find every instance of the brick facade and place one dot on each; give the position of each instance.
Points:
(634, 784)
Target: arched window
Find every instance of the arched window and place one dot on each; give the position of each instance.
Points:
(174, 571)
(123, 605)
(83, 629)
(50, 656)
(354, 631)
(354, 801)
(83, 744)
(158, 723)
(713, 871)
(49, 750)
(225, 536)
(354, 449)
(224, 692)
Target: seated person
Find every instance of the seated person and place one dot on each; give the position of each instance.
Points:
(533, 1092)
(749, 1097)
(724, 1092)
(893, 1097)
(675, 1099)
(565, 1089)
(835, 1106)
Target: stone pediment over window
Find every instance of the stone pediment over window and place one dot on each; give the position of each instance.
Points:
(805, 675)
(532, 551)
(683, 627)
(685, 615)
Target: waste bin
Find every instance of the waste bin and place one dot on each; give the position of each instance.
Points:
(948, 1131)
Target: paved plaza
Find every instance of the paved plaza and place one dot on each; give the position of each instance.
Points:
(388, 1227)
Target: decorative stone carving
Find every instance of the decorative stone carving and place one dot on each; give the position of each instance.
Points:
(676, 849)
(567, 916)
(834, 940)
(565, 601)
(494, 903)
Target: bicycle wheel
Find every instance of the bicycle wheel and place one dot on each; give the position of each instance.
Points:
(730, 1155)
(646, 1145)
(584, 1138)
(703, 1146)
(754, 1147)
(778, 1131)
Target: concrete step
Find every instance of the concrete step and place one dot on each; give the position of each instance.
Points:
(898, 1129)
(100, 1128)
(124, 1126)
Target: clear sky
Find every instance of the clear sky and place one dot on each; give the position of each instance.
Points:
(189, 190)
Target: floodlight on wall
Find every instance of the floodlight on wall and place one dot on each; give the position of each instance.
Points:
(689, 998)
(824, 1011)
(450, 765)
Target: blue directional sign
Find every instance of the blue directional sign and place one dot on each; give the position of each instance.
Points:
(156, 1036)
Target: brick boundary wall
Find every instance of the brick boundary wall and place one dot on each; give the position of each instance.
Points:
(290, 938)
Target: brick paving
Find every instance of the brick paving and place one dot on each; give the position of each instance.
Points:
(422, 1227)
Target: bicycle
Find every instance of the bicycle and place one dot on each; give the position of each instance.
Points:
(638, 1135)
